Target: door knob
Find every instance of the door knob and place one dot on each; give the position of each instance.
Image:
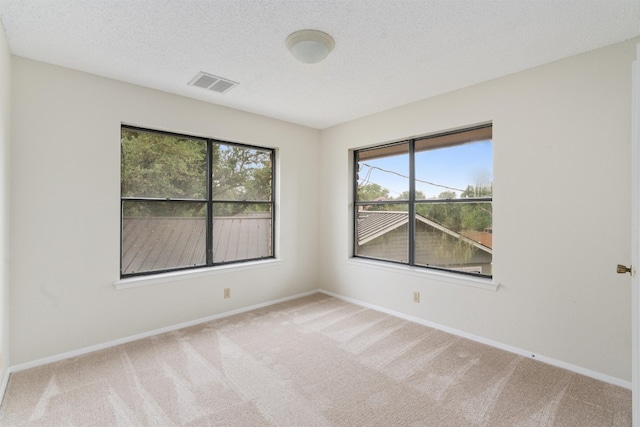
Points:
(622, 269)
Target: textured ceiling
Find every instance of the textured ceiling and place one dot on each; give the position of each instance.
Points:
(388, 52)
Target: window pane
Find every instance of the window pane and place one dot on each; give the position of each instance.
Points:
(163, 166)
(383, 173)
(452, 172)
(455, 236)
(162, 235)
(450, 178)
(382, 232)
(240, 173)
(241, 231)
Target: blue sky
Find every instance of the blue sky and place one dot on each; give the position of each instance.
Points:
(456, 167)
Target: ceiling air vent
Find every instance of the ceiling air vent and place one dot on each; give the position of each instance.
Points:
(212, 83)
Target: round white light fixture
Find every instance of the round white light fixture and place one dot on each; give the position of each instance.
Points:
(310, 46)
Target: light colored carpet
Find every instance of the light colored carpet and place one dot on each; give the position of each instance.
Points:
(314, 361)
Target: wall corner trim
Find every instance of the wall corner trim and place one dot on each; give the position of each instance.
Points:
(5, 383)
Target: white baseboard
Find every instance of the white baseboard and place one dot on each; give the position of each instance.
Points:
(109, 344)
(511, 349)
(541, 358)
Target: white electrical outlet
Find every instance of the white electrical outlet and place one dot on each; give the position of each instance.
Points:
(416, 296)
(227, 292)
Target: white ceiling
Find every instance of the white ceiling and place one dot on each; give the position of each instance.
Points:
(388, 52)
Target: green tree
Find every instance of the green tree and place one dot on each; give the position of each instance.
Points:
(155, 165)
(240, 173)
(473, 191)
(165, 166)
(372, 192)
(459, 216)
(162, 166)
(405, 195)
(445, 214)
(447, 195)
(477, 216)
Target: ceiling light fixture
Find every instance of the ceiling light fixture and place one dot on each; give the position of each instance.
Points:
(310, 46)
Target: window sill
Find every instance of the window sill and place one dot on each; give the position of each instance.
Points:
(134, 282)
(441, 276)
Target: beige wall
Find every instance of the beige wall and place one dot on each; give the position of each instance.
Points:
(65, 211)
(562, 181)
(561, 211)
(5, 108)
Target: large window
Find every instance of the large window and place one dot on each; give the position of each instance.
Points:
(427, 202)
(190, 202)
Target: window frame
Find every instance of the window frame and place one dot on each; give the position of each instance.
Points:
(411, 202)
(209, 202)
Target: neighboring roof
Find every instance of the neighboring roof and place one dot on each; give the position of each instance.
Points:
(483, 237)
(373, 224)
(151, 244)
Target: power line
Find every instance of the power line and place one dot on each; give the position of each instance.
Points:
(368, 176)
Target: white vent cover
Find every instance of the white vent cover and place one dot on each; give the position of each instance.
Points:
(212, 83)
